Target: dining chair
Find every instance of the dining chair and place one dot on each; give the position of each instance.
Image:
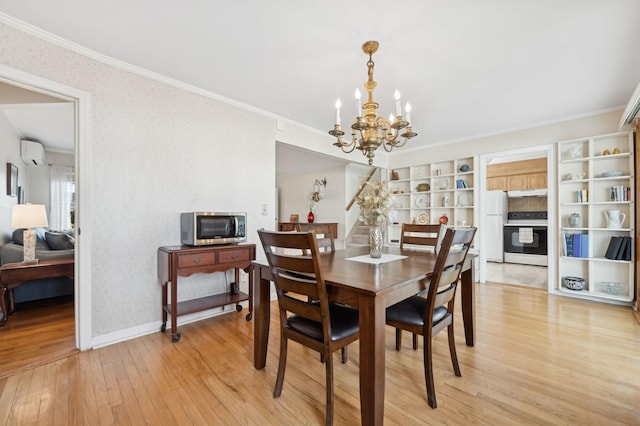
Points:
(420, 235)
(306, 315)
(324, 237)
(430, 312)
(413, 235)
(323, 234)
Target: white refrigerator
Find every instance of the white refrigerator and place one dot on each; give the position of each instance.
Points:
(496, 217)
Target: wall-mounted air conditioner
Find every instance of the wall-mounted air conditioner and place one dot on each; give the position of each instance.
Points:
(32, 153)
(631, 112)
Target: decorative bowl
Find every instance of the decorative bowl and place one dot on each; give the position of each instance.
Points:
(612, 173)
(423, 187)
(573, 283)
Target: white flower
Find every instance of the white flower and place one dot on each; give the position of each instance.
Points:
(374, 202)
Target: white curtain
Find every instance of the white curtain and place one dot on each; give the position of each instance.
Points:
(62, 197)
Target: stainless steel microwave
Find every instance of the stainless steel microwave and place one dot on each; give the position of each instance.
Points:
(208, 228)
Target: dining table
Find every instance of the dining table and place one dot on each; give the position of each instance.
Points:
(371, 285)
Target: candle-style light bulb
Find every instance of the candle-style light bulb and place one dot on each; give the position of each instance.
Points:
(391, 118)
(398, 105)
(358, 104)
(338, 105)
(407, 110)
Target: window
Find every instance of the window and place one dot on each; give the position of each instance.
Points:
(63, 191)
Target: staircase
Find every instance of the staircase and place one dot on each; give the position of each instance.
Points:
(358, 237)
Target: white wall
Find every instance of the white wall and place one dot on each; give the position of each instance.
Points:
(156, 151)
(9, 153)
(509, 141)
(295, 192)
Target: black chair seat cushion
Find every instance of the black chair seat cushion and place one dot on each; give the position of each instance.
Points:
(344, 323)
(411, 311)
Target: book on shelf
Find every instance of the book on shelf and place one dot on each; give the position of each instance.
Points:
(619, 193)
(462, 183)
(568, 244)
(575, 245)
(624, 253)
(613, 248)
(582, 196)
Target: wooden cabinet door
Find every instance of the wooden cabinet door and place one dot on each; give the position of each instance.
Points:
(498, 183)
(537, 181)
(516, 182)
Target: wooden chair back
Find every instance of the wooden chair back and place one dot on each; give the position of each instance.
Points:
(449, 263)
(421, 235)
(323, 234)
(298, 279)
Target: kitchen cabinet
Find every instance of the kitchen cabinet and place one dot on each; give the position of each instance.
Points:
(528, 181)
(517, 175)
(498, 183)
(595, 179)
(424, 193)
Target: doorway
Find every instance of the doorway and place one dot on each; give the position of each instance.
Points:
(534, 275)
(81, 122)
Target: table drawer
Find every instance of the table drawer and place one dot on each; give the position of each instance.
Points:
(229, 256)
(196, 259)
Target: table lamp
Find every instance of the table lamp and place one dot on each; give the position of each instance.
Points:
(29, 216)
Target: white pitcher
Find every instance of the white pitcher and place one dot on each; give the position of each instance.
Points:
(614, 218)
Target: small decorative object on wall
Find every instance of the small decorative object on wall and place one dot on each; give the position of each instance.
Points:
(20, 195)
(318, 190)
(293, 218)
(12, 180)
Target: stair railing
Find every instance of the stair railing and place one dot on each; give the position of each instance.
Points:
(353, 200)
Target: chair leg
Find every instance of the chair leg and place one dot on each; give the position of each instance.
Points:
(415, 341)
(398, 338)
(428, 371)
(329, 390)
(282, 363)
(344, 352)
(452, 350)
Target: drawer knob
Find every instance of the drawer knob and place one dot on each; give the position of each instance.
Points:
(196, 260)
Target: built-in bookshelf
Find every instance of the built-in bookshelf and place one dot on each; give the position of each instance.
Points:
(428, 193)
(595, 214)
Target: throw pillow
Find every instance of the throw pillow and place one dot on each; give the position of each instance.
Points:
(58, 241)
(18, 236)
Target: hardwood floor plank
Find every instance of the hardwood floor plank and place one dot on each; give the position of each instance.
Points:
(539, 359)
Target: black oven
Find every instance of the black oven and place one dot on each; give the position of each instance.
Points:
(525, 244)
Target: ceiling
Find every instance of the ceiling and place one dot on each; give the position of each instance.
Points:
(468, 68)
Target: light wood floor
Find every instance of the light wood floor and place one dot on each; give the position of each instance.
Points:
(539, 359)
(37, 333)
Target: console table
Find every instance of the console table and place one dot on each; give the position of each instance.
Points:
(184, 261)
(13, 275)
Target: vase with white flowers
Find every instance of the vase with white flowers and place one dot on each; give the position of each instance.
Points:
(374, 202)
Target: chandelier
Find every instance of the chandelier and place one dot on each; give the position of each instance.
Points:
(370, 130)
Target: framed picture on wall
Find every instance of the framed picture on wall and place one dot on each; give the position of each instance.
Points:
(293, 218)
(12, 180)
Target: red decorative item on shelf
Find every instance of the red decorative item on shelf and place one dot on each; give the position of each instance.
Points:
(444, 219)
(310, 217)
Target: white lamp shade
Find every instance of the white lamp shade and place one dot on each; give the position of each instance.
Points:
(29, 216)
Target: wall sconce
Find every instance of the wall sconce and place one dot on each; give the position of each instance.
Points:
(318, 189)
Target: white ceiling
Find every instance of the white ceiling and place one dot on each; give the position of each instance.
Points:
(469, 68)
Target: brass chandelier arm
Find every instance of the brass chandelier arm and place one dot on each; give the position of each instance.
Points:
(373, 130)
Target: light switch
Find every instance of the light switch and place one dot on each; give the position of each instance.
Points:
(265, 210)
